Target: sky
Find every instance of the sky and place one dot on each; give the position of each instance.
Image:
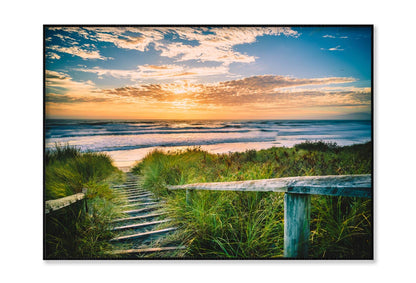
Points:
(133, 72)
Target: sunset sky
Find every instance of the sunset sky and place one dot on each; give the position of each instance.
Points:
(208, 72)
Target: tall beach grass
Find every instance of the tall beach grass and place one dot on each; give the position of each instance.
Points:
(74, 232)
(250, 224)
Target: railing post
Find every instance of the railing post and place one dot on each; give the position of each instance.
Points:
(297, 217)
(84, 191)
(188, 196)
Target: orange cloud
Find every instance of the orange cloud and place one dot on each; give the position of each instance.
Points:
(249, 91)
(258, 95)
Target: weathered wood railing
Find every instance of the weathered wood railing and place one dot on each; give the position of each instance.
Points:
(61, 220)
(297, 200)
(57, 204)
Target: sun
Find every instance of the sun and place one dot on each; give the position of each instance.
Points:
(180, 90)
(184, 104)
(183, 87)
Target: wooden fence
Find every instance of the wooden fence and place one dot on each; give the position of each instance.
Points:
(297, 200)
(57, 204)
(61, 219)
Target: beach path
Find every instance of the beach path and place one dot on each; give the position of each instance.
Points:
(145, 230)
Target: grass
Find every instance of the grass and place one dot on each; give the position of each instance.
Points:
(72, 232)
(68, 170)
(250, 224)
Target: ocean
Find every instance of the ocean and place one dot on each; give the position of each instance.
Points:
(128, 141)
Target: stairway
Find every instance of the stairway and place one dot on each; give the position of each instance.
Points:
(143, 230)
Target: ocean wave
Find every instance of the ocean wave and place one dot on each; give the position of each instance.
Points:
(111, 135)
(113, 145)
(126, 133)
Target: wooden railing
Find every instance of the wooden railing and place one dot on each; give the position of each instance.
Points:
(297, 200)
(57, 204)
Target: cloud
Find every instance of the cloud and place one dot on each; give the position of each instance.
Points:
(217, 44)
(333, 36)
(204, 53)
(64, 82)
(80, 51)
(336, 48)
(59, 98)
(66, 38)
(251, 94)
(158, 72)
(126, 37)
(169, 71)
(61, 88)
(53, 56)
(271, 82)
(185, 43)
(259, 91)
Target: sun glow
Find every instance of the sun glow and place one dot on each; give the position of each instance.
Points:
(184, 104)
(182, 87)
(201, 72)
(179, 90)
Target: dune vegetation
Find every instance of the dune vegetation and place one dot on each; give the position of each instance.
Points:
(73, 232)
(250, 224)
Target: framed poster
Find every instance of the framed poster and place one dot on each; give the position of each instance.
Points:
(208, 142)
